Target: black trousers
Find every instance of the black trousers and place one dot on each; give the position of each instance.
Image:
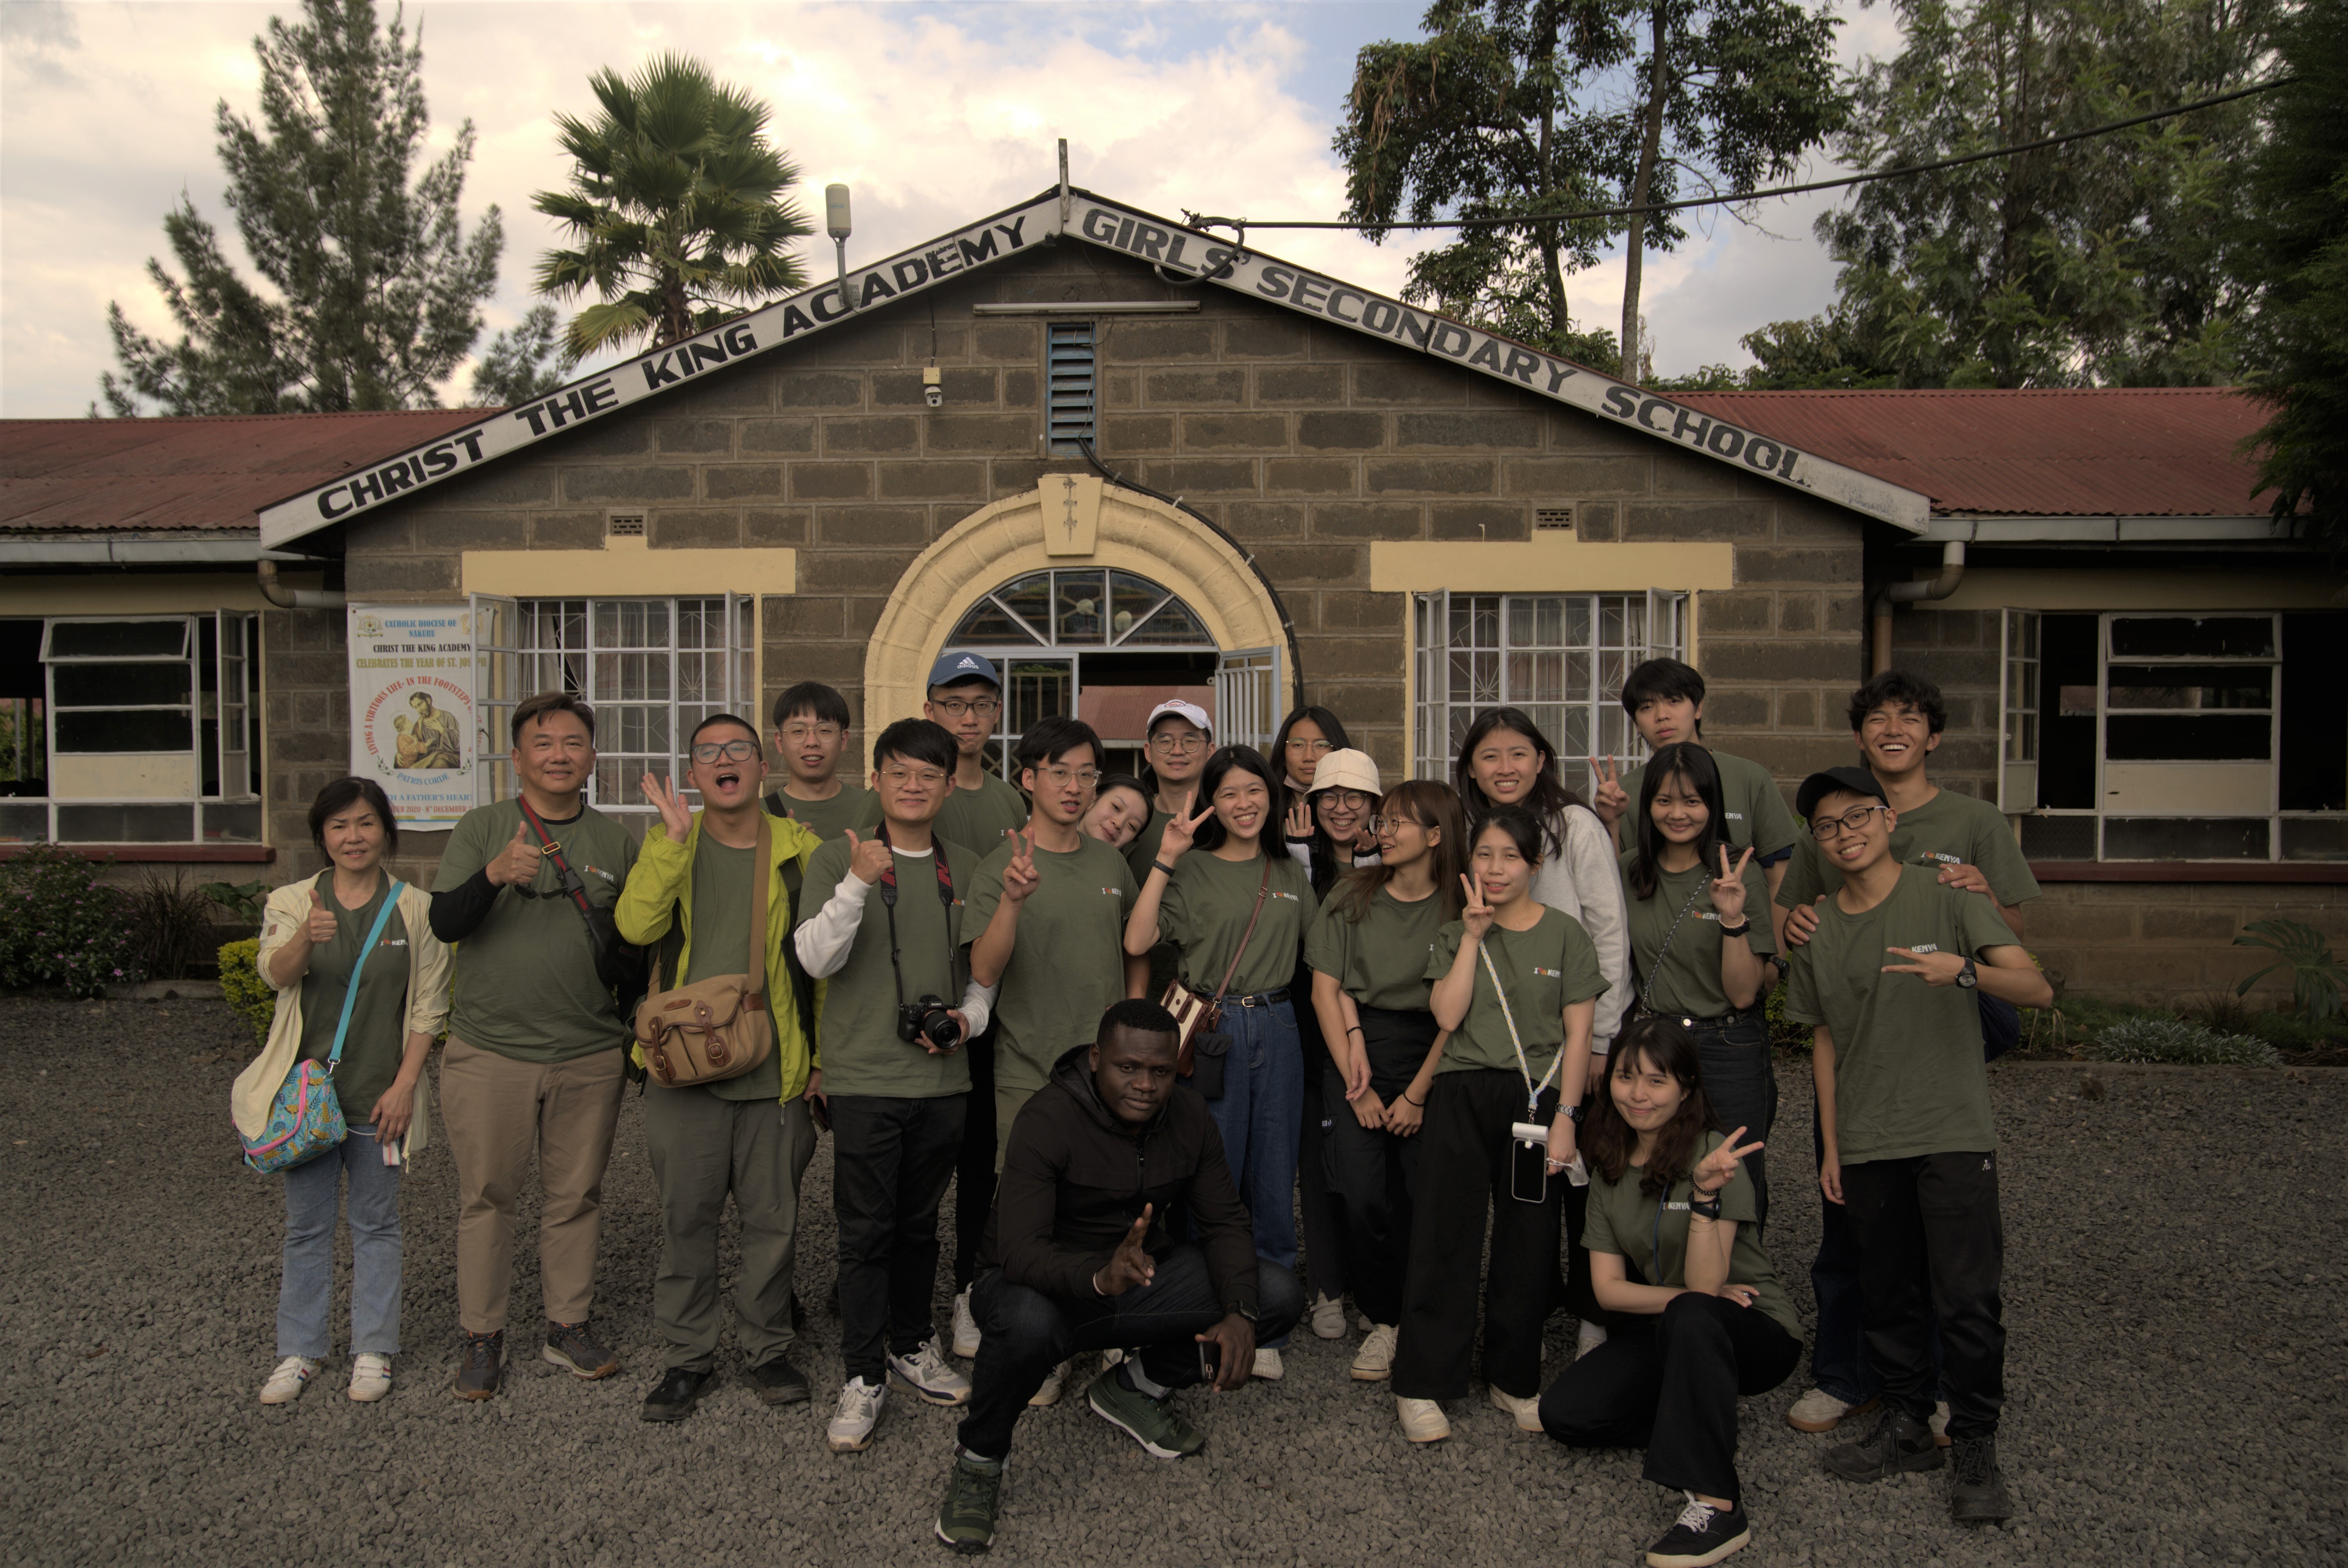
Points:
(1931, 1245)
(1741, 1082)
(891, 1159)
(1465, 1179)
(1368, 1170)
(1325, 1254)
(975, 1166)
(1668, 1382)
(1025, 1333)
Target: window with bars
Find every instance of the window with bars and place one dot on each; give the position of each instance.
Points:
(652, 668)
(1560, 657)
(1071, 376)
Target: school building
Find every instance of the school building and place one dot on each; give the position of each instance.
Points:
(1124, 458)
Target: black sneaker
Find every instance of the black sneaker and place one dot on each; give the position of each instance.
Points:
(478, 1365)
(679, 1391)
(1977, 1492)
(569, 1345)
(779, 1383)
(1899, 1442)
(967, 1518)
(1701, 1536)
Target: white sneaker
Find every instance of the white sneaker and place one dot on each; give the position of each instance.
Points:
(1819, 1411)
(1374, 1362)
(1422, 1420)
(1362, 1324)
(1328, 1318)
(1111, 1360)
(1591, 1338)
(861, 1404)
(284, 1385)
(1525, 1411)
(1939, 1423)
(370, 1378)
(926, 1373)
(965, 1328)
(1268, 1367)
(1054, 1384)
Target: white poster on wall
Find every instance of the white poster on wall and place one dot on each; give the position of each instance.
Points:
(412, 706)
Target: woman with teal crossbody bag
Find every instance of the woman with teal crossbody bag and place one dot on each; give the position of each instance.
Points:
(361, 994)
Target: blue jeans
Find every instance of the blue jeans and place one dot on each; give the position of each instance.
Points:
(1261, 1117)
(307, 1295)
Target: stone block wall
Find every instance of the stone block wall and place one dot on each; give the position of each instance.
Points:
(2170, 944)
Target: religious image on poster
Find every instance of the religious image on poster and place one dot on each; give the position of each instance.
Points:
(412, 706)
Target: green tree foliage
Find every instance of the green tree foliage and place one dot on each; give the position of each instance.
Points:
(677, 207)
(523, 365)
(1515, 108)
(2293, 247)
(2101, 263)
(373, 289)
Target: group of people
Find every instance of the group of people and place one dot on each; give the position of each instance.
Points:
(1144, 1025)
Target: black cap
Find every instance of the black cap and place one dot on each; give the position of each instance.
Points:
(1847, 781)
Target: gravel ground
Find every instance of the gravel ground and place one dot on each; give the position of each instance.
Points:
(2177, 1371)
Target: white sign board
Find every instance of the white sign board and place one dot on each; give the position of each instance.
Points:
(412, 706)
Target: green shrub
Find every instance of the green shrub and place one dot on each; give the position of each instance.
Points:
(2286, 1032)
(2317, 981)
(2086, 1018)
(2178, 1043)
(247, 994)
(1784, 1033)
(60, 925)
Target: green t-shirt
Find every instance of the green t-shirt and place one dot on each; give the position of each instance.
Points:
(1650, 1234)
(1690, 980)
(722, 890)
(378, 1031)
(1379, 959)
(1909, 1075)
(526, 982)
(1754, 806)
(1949, 829)
(1546, 969)
(1143, 848)
(854, 807)
(1067, 962)
(978, 817)
(861, 1053)
(1205, 911)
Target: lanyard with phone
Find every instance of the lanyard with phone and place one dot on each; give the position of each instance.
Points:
(1529, 1139)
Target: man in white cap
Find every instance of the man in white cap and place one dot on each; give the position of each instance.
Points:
(1180, 737)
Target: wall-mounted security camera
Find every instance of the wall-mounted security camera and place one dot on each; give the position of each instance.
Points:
(933, 392)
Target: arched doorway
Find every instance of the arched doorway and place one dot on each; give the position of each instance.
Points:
(1094, 601)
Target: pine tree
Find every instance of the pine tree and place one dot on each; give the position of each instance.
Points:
(372, 288)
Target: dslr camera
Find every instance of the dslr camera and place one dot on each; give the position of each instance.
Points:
(928, 1023)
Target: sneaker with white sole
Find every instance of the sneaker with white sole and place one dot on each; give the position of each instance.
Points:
(861, 1404)
(1819, 1411)
(285, 1384)
(1362, 1324)
(1525, 1411)
(1701, 1536)
(1938, 1422)
(1422, 1420)
(925, 1372)
(1590, 1337)
(1328, 1318)
(370, 1378)
(1268, 1367)
(965, 1328)
(1374, 1362)
(1055, 1384)
(1111, 1359)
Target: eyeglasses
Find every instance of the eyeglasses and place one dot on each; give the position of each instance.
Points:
(1394, 824)
(1064, 776)
(800, 734)
(957, 707)
(1182, 743)
(1853, 821)
(1315, 747)
(1343, 799)
(927, 778)
(726, 751)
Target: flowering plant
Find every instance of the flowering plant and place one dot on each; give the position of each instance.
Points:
(60, 925)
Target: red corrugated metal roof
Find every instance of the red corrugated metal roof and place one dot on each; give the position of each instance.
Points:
(2119, 452)
(69, 474)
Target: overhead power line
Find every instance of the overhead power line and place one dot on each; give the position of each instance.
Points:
(1242, 225)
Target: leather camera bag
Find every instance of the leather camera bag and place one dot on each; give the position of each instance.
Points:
(1205, 1047)
(718, 1028)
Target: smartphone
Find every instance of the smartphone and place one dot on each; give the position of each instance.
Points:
(391, 1153)
(1210, 1360)
(1528, 1163)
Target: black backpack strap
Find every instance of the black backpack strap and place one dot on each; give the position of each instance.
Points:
(802, 984)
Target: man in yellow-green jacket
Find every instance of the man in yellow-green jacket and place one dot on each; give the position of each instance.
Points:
(691, 891)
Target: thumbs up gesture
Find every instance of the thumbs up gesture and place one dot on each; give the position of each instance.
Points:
(867, 858)
(517, 863)
(320, 926)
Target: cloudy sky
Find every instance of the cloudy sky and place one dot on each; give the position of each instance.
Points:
(933, 113)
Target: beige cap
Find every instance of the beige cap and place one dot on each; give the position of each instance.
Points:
(1346, 769)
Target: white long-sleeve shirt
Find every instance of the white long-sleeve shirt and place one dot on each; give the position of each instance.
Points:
(824, 942)
(1584, 879)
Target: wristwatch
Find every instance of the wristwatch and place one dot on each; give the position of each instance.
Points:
(1573, 1113)
(1736, 930)
(1968, 977)
(1244, 1310)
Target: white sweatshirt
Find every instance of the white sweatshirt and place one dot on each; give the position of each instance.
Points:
(824, 942)
(1585, 880)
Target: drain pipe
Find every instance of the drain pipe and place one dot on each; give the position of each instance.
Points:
(1952, 572)
(295, 598)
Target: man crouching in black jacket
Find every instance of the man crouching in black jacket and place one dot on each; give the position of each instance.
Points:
(1079, 1256)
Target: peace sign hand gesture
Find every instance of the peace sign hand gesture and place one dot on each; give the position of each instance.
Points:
(1182, 830)
(1728, 887)
(1607, 796)
(1020, 876)
(1715, 1170)
(669, 801)
(1475, 914)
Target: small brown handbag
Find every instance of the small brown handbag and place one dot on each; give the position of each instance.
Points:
(1198, 1020)
(718, 1028)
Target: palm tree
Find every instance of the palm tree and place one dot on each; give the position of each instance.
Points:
(677, 207)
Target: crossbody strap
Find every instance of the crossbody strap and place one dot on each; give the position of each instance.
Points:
(888, 903)
(1507, 1016)
(1647, 991)
(1263, 886)
(351, 987)
(573, 884)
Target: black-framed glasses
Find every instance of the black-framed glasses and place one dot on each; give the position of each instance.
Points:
(1852, 821)
(1343, 799)
(957, 707)
(725, 751)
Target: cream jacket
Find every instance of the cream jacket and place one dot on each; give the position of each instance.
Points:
(428, 961)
